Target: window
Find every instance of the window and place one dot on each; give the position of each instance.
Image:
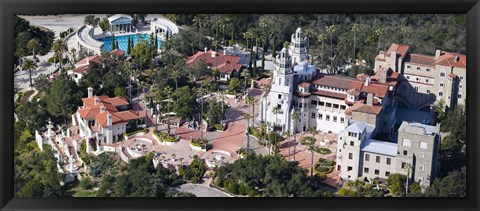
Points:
(365, 170)
(389, 160)
(377, 172)
(426, 80)
(420, 180)
(352, 134)
(406, 143)
(423, 145)
(416, 88)
(367, 157)
(279, 96)
(349, 168)
(405, 152)
(344, 107)
(408, 66)
(461, 77)
(460, 96)
(428, 69)
(335, 105)
(314, 102)
(440, 93)
(441, 84)
(328, 118)
(334, 118)
(321, 103)
(329, 105)
(350, 156)
(461, 86)
(342, 120)
(421, 167)
(442, 73)
(313, 115)
(351, 143)
(320, 116)
(408, 77)
(377, 159)
(418, 79)
(404, 165)
(418, 68)
(387, 173)
(428, 91)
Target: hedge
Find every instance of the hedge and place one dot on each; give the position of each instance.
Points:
(165, 137)
(323, 151)
(218, 126)
(255, 132)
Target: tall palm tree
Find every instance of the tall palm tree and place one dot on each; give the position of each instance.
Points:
(73, 52)
(310, 141)
(295, 118)
(309, 33)
(215, 44)
(249, 35)
(267, 87)
(252, 101)
(245, 74)
(263, 132)
(289, 134)
(60, 47)
(33, 45)
(168, 95)
(321, 39)
(379, 32)
(331, 29)
(29, 65)
(201, 91)
(405, 30)
(201, 21)
(276, 111)
(246, 115)
(176, 74)
(355, 30)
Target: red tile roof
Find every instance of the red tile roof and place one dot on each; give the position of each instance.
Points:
(117, 101)
(448, 59)
(92, 110)
(87, 60)
(304, 85)
(224, 63)
(117, 53)
(421, 60)
(359, 106)
(348, 83)
(399, 48)
(329, 94)
(81, 69)
(392, 77)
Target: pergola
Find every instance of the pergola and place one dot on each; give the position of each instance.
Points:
(121, 23)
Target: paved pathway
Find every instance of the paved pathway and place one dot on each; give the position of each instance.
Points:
(202, 190)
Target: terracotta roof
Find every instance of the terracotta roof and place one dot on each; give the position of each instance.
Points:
(116, 101)
(102, 119)
(448, 59)
(359, 106)
(392, 77)
(329, 94)
(348, 83)
(399, 48)
(89, 113)
(362, 76)
(421, 60)
(117, 53)
(302, 95)
(126, 115)
(90, 102)
(264, 81)
(353, 92)
(224, 63)
(304, 85)
(81, 70)
(86, 60)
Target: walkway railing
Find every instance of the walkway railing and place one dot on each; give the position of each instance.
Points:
(83, 36)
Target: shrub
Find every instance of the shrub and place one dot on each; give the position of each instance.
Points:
(218, 182)
(255, 132)
(323, 151)
(86, 183)
(242, 190)
(320, 177)
(218, 126)
(194, 180)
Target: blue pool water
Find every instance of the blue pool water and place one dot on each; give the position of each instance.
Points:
(123, 41)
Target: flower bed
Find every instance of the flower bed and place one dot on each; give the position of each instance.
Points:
(165, 139)
(323, 151)
(196, 144)
(324, 166)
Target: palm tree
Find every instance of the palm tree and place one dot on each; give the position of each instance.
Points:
(267, 87)
(176, 74)
(289, 134)
(168, 94)
(263, 132)
(310, 141)
(379, 32)
(331, 29)
(33, 45)
(355, 30)
(321, 38)
(143, 85)
(313, 131)
(245, 74)
(224, 23)
(247, 117)
(201, 91)
(309, 33)
(295, 118)
(215, 44)
(29, 65)
(251, 101)
(73, 52)
(201, 21)
(60, 47)
(276, 111)
(249, 35)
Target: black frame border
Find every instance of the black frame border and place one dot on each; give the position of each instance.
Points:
(10, 7)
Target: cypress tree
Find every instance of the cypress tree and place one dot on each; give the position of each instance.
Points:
(129, 45)
(116, 44)
(274, 53)
(156, 41)
(113, 41)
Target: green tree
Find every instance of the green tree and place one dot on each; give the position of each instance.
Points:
(140, 54)
(186, 105)
(42, 83)
(29, 65)
(396, 184)
(453, 185)
(104, 25)
(33, 46)
(60, 47)
(234, 84)
(63, 97)
(120, 92)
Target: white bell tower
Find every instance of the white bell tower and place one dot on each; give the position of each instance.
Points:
(298, 46)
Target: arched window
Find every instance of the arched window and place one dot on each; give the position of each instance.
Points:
(442, 73)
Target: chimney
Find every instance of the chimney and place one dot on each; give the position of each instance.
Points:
(90, 92)
(97, 100)
(383, 76)
(437, 54)
(109, 119)
(88, 61)
(457, 58)
(205, 49)
(369, 99)
(102, 109)
(213, 54)
(367, 81)
(224, 52)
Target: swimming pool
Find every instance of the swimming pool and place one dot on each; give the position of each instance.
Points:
(123, 41)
